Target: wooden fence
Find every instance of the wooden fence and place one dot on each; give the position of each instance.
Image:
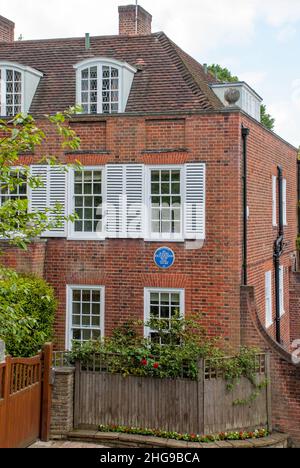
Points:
(25, 400)
(182, 405)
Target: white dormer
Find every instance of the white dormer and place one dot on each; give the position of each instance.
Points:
(18, 85)
(103, 85)
(239, 94)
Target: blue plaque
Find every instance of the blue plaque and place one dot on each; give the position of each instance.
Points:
(164, 258)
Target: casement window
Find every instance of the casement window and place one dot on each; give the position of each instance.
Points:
(12, 91)
(86, 203)
(100, 89)
(103, 85)
(163, 305)
(274, 206)
(85, 314)
(281, 290)
(268, 295)
(284, 201)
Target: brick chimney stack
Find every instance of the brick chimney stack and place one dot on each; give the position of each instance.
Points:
(7, 30)
(134, 21)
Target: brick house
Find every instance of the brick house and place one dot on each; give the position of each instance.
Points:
(172, 159)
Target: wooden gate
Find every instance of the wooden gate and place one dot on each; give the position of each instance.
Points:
(25, 400)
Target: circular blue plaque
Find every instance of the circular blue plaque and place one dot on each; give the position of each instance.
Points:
(164, 258)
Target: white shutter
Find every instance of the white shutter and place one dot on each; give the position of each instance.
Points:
(281, 290)
(274, 196)
(53, 192)
(124, 201)
(115, 204)
(135, 201)
(195, 201)
(284, 204)
(269, 310)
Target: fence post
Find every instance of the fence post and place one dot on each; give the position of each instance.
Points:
(201, 382)
(46, 393)
(269, 392)
(77, 394)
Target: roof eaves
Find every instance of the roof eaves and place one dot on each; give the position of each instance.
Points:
(197, 84)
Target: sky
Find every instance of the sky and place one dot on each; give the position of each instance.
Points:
(258, 40)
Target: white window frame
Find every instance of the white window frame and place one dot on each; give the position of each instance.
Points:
(125, 71)
(3, 106)
(72, 234)
(162, 237)
(281, 290)
(69, 303)
(148, 291)
(284, 202)
(268, 299)
(274, 197)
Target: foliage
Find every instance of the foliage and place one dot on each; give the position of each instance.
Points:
(184, 345)
(27, 308)
(223, 74)
(242, 365)
(127, 353)
(266, 119)
(258, 434)
(20, 135)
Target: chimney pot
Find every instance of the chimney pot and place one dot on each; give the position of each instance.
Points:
(134, 21)
(7, 30)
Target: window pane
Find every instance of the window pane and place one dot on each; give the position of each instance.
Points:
(76, 295)
(90, 187)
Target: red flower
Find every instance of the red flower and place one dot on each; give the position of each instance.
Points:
(156, 365)
(144, 362)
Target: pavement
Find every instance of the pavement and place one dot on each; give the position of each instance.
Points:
(62, 444)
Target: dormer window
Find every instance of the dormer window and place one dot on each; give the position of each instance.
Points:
(103, 85)
(11, 96)
(100, 90)
(18, 85)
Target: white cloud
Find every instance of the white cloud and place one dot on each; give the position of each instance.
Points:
(253, 78)
(286, 34)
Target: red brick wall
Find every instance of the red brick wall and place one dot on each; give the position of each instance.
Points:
(92, 136)
(7, 30)
(211, 275)
(28, 261)
(285, 376)
(265, 153)
(165, 134)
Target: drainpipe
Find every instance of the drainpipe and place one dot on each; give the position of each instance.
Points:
(278, 250)
(245, 134)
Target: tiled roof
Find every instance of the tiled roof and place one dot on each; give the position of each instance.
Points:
(170, 80)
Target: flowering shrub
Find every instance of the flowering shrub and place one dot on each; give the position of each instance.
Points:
(127, 353)
(258, 434)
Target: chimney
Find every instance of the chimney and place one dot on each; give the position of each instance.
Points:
(7, 30)
(134, 21)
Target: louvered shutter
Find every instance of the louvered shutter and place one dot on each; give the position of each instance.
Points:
(269, 317)
(284, 200)
(135, 201)
(115, 205)
(195, 201)
(53, 192)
